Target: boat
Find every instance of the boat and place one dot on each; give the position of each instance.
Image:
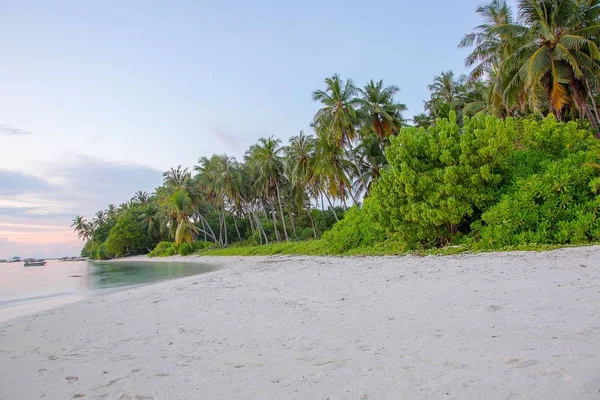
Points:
(15, 259)
(34, 263)
(3, 260)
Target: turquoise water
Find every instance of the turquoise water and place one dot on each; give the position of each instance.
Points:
(114, 275)
(28, 290)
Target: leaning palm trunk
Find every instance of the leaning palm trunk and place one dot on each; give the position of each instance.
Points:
(275, 222)
(260, 228)
(312, 222)
(205, 223)
(224, 223)
(281, 212)
(236, 229)
(293, 224)
(583, 106)
(593, 99)
(332, 208)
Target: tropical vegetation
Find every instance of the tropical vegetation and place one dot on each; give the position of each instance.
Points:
(506, 156)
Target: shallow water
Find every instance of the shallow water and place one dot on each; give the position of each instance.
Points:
(28, 290)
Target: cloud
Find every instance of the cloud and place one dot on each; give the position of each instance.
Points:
(95, 183)
(16, 182)
(8, 130)
(33, 212)
(81, 185)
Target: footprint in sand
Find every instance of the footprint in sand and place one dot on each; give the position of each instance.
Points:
(72, 379)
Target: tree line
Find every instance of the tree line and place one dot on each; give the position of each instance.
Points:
(540, 58)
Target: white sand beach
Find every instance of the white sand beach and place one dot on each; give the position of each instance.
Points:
(520, 325)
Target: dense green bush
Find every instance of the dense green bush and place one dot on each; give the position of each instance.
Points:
(356, 230)
(442, 178)
(165, 249)
(102, 252)
(160, 249)
(559, 205)
(127, 237)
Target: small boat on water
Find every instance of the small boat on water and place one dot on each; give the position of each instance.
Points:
(34, 263)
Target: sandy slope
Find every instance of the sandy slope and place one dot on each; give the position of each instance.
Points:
(489, 326)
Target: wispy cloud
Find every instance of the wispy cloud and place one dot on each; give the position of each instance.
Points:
(7, 130)
(12, 182)
(81, 185)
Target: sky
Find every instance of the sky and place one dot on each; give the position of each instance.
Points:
(98, 98)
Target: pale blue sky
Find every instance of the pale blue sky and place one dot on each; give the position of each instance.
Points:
(135, 87)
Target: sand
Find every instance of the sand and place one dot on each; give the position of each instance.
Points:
(517, 325)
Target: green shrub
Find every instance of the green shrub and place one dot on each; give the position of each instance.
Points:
(442, 178)
(171, 251)
(186, 248)
(127, 237)
(559, 205)
(161, 249)
(356, 230)
(102, 252)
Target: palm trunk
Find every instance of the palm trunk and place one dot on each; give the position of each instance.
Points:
(236, 229)
(293, 225)
(261, 229)
(591, 94)
(204, 221)
(275, 222)
(312, 222)
(332, 208)
(224, 224)
(281, 211)
(584, 107)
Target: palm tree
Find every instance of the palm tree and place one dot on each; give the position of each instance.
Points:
(264, 160)
(176, 177)
(151, 220)
(379, 112)
(370, 162)
(181, 207)
(99, 219)
(547, 60)
(332, 169)
(338, 116)
(82, 227)
(141, 197)
(300, 159)
(111, 211)
(447, 88)
(557, 54)
(488, 41)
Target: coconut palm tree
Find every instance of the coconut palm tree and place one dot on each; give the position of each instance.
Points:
(99, 218)
(333, 169)
(111, 211)
(300, 161)
(181, 207)
(151, 220)
(265, 161)
(547, 60)
(82, 227)
(556, 55)
(177, 177)
(379, 112)
(370, 162)
(338, 116)
(141, 197)
(489, 42)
